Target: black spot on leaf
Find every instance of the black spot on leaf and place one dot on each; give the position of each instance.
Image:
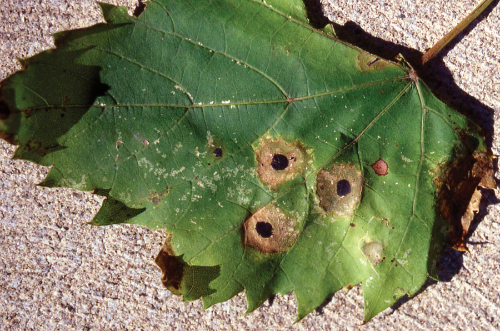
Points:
(280, 162)
(343, 187)
(264, 229)
(218, 152)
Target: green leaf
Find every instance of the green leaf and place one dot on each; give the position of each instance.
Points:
(277, 157)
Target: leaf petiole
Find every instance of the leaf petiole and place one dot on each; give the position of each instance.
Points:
(431, 53)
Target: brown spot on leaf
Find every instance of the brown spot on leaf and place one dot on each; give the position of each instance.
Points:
(380, 167)
(373, 251)
(270, 230)
(367, 62)
(339, 189)
(279, 162)
(458, 194)
(172, 268)
(156, 197)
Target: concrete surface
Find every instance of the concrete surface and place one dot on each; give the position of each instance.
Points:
(58, 273)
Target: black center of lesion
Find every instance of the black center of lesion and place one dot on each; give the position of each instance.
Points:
(218, 152)
(264, 229)
(343, 187)
(279, 162)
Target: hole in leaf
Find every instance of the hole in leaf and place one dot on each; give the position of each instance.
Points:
(218, 152)
(264, 229)
(279, 162)
(139, 9)
(343, 187)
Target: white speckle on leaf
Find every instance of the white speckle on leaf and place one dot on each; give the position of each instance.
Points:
(177, 147)
(69, 182)
(144, 163)
(174, 173)
(210, 139)
(404, 158)
(159, 172)
(209, 183)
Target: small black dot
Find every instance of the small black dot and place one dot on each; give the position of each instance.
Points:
(218, 152)
(280, 162)
(264, 229)
(343, 187)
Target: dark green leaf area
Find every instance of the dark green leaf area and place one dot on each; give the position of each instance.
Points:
(276, 157)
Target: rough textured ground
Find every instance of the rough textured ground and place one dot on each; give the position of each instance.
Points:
(58, 273)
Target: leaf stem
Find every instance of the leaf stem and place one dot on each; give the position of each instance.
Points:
(431, 53)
